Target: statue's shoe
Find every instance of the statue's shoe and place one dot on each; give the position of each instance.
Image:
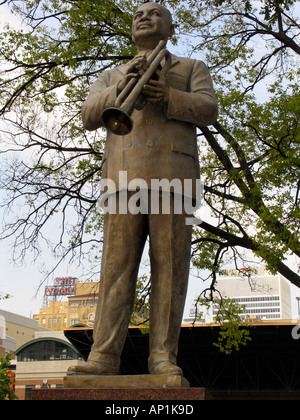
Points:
(165, 368)
(92, 368)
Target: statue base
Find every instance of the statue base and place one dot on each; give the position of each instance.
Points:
(125, 382)
(124, 388)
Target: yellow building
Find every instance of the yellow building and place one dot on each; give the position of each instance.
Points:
(78, 309)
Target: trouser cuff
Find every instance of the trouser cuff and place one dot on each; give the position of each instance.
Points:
(108, 359)
(158, 357)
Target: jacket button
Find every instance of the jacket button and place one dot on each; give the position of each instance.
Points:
(150, 143)
(149, 122)
(128, 143)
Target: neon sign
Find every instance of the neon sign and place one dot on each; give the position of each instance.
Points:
(63, 286)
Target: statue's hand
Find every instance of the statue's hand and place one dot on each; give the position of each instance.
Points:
(157, 91)
(132, 72)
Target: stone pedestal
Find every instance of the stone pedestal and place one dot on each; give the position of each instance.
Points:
(155, 394)
(124, 388)
(125, 382)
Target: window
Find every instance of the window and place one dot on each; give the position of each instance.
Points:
(92, 302)
(75, 303)
(43, 350)
(28, 390)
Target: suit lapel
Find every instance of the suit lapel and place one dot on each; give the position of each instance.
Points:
(175, 60)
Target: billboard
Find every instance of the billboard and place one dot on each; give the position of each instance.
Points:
(63, 286)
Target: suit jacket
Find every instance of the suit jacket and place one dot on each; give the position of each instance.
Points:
(163, 142)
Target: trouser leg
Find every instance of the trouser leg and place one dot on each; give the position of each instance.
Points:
(170, 249)
(124, 240)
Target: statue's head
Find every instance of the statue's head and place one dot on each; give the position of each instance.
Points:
(152, 22)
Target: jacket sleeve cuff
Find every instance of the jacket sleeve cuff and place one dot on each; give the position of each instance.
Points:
(195, 108)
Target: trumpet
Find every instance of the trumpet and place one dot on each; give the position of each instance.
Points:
(117, 119)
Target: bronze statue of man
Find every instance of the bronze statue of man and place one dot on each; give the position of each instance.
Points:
(161, 145)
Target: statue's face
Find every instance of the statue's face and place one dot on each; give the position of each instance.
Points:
(151, 21)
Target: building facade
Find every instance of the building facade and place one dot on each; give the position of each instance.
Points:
(15, 332)
(7, 344)
(264, 297)
(79, 308)
(18, 327)
(43, 363)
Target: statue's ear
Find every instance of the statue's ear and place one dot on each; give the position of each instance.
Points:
(172, 30)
